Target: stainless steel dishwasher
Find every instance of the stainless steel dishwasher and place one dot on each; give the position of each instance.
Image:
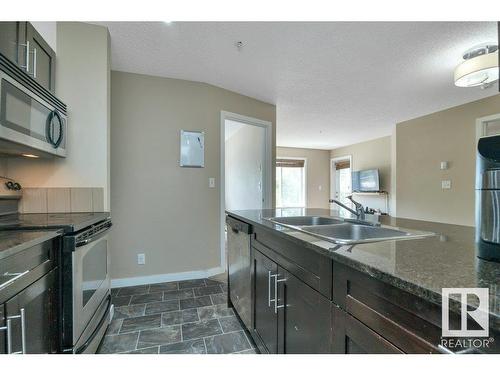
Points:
(238, 260)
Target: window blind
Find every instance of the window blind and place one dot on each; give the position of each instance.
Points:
(290, 163)
(344, 164)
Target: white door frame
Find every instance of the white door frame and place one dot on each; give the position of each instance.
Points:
(267, 185)
(481, 123)
(332, 172)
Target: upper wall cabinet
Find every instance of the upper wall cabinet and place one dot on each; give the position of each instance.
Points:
(22, 44)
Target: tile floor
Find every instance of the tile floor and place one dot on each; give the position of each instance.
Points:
(189, 317)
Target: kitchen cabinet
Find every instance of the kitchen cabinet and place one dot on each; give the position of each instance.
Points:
(43, 59)
(11, 36)
(350, 336)
(265, 320)
(24, 46)
(304, 324)
(289, 316)
(3, 329)
(32, 313)
(307, 302)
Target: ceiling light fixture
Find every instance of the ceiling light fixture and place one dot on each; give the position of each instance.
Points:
(31, 156)
(479, 68)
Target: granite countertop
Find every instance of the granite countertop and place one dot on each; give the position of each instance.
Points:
(67, 222)
(14, 241)
(419, 266)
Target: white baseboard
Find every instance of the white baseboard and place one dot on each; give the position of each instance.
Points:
(153, 279)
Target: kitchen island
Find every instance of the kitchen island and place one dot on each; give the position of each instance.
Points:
(309, 295)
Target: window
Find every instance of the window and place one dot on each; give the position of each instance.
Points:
(290, 183)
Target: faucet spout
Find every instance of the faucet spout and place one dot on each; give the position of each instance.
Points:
(359, 211)
(344, 206)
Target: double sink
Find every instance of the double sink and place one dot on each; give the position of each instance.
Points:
(346, 231)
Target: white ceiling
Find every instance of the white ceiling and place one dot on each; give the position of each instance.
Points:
(333, 83)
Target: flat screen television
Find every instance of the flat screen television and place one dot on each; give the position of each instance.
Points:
(365, 181)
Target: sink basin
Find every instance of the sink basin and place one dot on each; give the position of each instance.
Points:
(298, 221)
(349, 233)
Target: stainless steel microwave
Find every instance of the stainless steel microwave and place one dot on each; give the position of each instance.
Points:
(30, 125)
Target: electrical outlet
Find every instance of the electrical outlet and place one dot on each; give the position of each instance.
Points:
(445, 184)
(141, 259)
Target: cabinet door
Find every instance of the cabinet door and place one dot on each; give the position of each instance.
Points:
(10, 41)
(43, 59)
(40, 323)
(350, 336)
(3, 327)
(265, 320)
(304, 318)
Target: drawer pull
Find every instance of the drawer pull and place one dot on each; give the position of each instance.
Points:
(14, 278)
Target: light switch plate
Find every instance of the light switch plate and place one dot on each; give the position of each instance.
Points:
(141, 259)
(211, 182)
(445, 184)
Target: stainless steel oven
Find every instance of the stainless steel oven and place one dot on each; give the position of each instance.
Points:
(86, 288)
(28, 122)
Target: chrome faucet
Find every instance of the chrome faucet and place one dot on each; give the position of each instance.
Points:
(359, 211)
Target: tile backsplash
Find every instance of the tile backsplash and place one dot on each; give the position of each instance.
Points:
(50, 200)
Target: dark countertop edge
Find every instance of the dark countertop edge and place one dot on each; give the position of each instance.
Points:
(402, 284)
(45, 235)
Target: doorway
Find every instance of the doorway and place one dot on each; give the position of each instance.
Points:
(340, 180)
(246, 167)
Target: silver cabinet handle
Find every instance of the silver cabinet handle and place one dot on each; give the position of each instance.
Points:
(21, 316)
(15, 276)
(34, 62)
(276, 281)
(269, 300)
(9, 336)
(23, 331)
(444, 350)
(27, 47)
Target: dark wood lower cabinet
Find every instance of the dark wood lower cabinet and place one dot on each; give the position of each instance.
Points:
(3, 328)
(289, 316)
(350, 336)
(39, 325)
(304, 324)
(265, 320)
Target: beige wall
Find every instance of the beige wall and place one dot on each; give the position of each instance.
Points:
(371, 154)
(317, 173)
(167, 212)
(82, 82)
(421, 144)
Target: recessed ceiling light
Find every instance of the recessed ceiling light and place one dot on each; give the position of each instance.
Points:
(168, 22)
(479, 68)
(30, 156)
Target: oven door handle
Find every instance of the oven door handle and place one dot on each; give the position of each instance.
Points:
(94, 237)
(82, 348)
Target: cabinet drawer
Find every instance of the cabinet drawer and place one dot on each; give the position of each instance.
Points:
(408, 322)
(315, 269)
(30, 264)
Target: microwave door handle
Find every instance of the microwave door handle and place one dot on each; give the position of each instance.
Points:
(49, 128)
